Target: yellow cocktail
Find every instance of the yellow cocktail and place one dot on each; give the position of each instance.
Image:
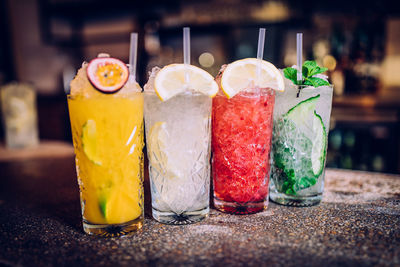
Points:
(107, 132)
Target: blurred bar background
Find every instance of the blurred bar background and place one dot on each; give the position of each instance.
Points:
(44, 42)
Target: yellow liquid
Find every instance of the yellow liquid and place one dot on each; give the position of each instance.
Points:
(109, 156)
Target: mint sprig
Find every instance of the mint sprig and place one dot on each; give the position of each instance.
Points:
(309, 69)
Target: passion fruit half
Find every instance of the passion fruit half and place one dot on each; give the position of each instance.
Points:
(108, 75)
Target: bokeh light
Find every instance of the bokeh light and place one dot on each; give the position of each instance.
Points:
(206, 60)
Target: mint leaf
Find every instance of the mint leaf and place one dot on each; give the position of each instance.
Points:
(291, 74)
(309, 69)
(305, 71)
(309, 65)
(316, 82)
(317, 70)
(306, 182)
(288, 186)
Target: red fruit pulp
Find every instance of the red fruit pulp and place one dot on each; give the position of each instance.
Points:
(241, 143)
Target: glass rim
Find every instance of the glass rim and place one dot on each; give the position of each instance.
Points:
(310, 87)
(186, 92)
(69, 96)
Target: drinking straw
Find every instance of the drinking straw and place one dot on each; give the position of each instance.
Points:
(299, 44)
(133, 56)
(186, 45)
(260, 50)
(186, 50)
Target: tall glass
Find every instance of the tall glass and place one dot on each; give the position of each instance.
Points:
(107, 132)
(178, 148)
(299, 144)
(241, 142)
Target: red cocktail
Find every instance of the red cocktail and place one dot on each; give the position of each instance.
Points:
(241, 143)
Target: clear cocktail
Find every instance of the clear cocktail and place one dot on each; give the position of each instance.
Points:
(299, 144)
(178, 148)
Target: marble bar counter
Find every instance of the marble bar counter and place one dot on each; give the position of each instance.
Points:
(357, 224)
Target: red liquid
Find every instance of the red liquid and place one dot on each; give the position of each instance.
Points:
(241, 143)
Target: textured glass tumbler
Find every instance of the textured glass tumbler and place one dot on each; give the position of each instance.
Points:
(108, 142)
(241, 145)
(178, 148)
(299, 145)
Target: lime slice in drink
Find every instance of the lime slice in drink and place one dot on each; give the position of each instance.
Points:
(89, 142)
(118, 205)
(103, 205)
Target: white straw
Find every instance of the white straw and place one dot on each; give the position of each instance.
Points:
(186, 45)
(260, 50)
(133, 56)
(261, 41)
(186, 51)
(299, 44)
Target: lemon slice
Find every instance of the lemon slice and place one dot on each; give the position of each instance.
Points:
(176, 78)
(158, 152)
(158, 137)
(241, 74)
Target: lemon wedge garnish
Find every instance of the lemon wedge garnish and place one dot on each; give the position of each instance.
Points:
(159, 154)
(176, 78)
(158, 137)
(241, 74)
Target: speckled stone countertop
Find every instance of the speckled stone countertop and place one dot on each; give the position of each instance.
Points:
(357, 224)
